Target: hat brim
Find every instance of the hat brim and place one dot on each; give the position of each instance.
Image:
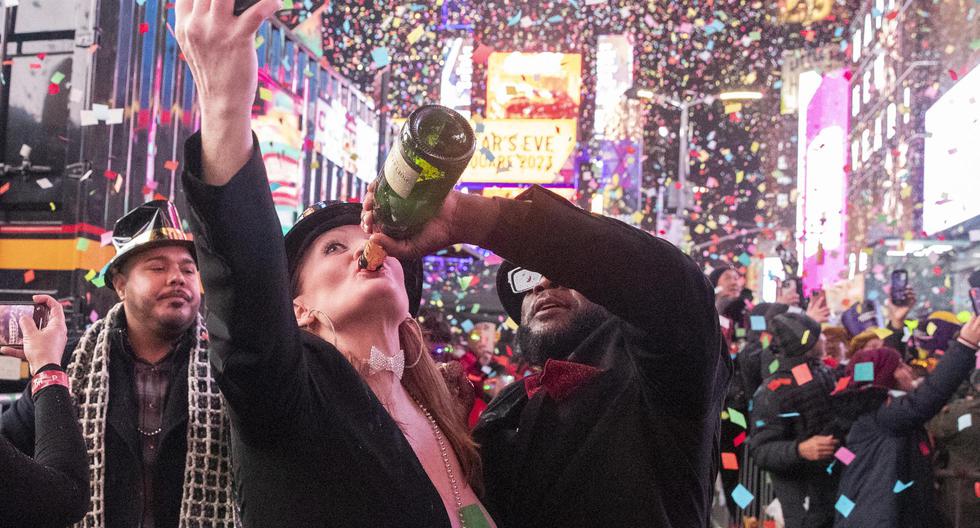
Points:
(511, 300)
(119, 260)
(339, 214)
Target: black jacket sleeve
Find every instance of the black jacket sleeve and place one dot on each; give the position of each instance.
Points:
(642, 279)
(255, 344)
(17, 423)
(773, 447)
(52, 489)
(914, 409)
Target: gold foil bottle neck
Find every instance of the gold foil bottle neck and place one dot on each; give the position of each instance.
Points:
(372, 257)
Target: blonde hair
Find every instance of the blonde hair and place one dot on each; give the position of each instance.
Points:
(426, 384)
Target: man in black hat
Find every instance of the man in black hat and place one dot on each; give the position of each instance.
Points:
(621, 426)
(792, 424)
(146, 397)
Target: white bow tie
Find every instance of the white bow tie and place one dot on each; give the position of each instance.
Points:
(379, 362)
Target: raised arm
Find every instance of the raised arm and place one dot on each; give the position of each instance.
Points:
(919, 406)
(643, 279)
(52, 489)
(255, 343)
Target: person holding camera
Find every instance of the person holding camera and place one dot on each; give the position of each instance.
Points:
(158, 439)
(52, 488)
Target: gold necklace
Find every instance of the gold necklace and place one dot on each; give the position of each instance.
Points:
(440, 439)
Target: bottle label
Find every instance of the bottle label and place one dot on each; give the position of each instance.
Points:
(400, 175)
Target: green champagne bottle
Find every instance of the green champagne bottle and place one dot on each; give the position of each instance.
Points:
(425, 162)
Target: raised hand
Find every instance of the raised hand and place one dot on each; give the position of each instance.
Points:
(46, 345)
(220, 50)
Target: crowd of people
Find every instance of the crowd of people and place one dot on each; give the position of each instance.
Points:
(307, 394)
(851, 419)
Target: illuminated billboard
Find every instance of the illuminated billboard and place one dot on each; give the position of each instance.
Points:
(522, 151)
(277, 122)
(951, 187)
(821, 207)
(534, 85)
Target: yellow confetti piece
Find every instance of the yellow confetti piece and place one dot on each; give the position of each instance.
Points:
(882, 333)
(259, 41)
(806, 337)
(416, 34)
(265, 94)
(931, 328)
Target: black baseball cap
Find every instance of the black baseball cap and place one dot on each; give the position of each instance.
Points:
(329, 214)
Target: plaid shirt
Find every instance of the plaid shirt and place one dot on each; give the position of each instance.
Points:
(151, 383)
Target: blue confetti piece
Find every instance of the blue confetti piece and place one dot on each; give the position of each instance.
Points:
(830, 468)
(760, 423)
(512, 21)
(758, 322)
(555, 19)
(844, 505)
(789, 415)
(380, 57)
(901, 486)
(864, 371)
(742, 496)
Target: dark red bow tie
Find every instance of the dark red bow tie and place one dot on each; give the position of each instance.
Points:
(559, 378)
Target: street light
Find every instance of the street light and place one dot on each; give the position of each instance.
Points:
(683, 157)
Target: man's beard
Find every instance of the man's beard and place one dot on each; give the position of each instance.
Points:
(559, 343)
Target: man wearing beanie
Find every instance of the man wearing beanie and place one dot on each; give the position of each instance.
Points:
(792, 433)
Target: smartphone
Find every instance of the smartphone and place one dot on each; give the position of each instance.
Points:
(900, 282)
(242, 5)
(975, 299)
(11, 334)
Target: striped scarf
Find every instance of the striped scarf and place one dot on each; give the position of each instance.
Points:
(207, 499)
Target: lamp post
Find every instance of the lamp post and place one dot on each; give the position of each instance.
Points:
(683, 156)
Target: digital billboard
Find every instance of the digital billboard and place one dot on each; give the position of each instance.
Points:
(277, 122)
(534, 85)
(951, 186)
(524, 151)
(821, 207)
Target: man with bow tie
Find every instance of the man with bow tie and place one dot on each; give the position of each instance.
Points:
(621, 426)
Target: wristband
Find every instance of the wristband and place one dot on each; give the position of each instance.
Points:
(968, 344)
(47, 379)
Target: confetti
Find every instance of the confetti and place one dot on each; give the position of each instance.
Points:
(845, 455)
(844, 505)
(864, 371)
(737, 418)
(964, 421)
(729, 461)
(802, 374)
(742, 496)
(901, 486)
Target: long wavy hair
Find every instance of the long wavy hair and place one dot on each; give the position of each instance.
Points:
(427, 385)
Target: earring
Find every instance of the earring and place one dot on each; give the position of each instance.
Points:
(418, 327)
(313, 313)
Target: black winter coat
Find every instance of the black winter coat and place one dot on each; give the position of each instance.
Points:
(638, 444)
(781, 419)
(312, 445)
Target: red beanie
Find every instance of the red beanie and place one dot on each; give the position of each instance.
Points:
(885, 361)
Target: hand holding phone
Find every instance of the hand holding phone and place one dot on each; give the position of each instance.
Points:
(36, 334)
(899, 287)
(975, 300)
